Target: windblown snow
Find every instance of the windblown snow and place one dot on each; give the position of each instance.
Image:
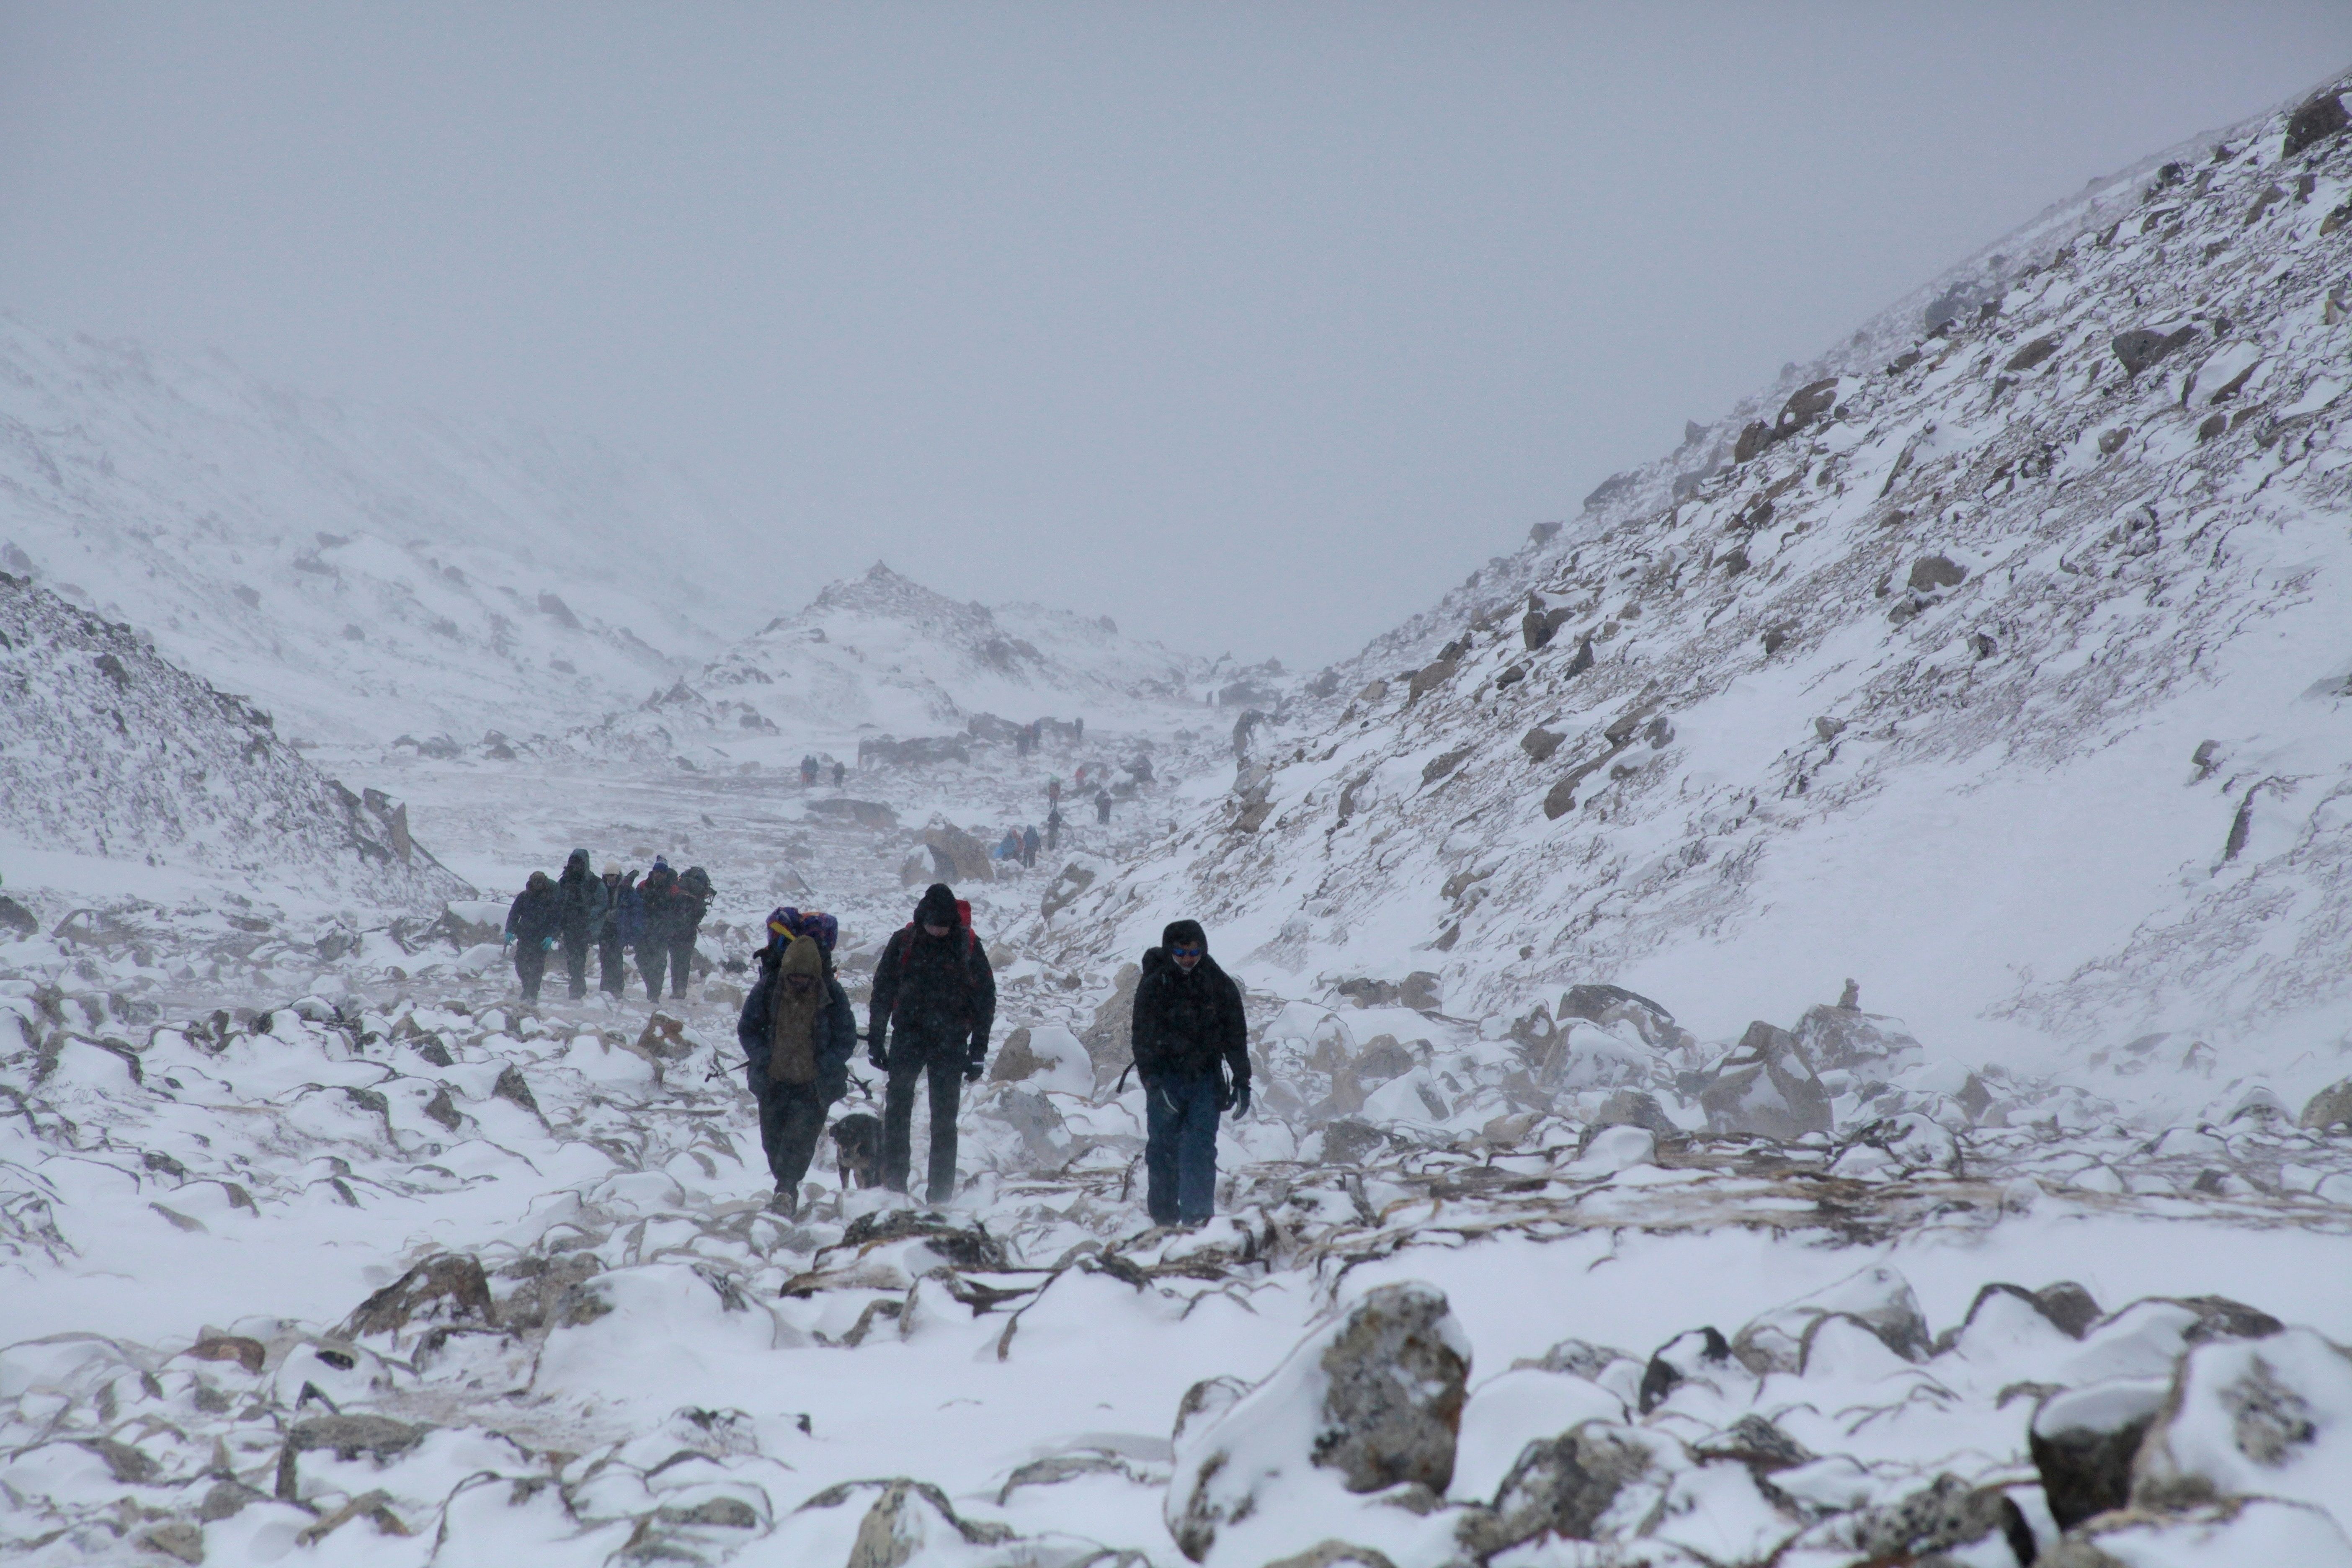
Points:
(1801, 1018)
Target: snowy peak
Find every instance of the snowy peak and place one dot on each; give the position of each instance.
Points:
(882, 651)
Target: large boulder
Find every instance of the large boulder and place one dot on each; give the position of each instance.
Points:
(1107, 1040)
(1607, 1004)
(2082, 1441)
(2330, 1111)
(953, 846)
(1848, 1038)
(1561, 1485)
(2245, 1417)
(1370, 1401)
(1878, 1298)
(2241, 1532)
(1767, 1088)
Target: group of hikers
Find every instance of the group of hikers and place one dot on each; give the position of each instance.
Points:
(933, 1007)
(811, 767)
(659, 917)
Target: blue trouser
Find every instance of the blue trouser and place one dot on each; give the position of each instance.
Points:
(1180, 1155)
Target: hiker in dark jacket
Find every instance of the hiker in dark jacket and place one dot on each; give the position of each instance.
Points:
(612, 933)
(580, 905)
(1192, 1051)
(1029, 847)
(1102, 805)
(689, 903)
(533, 920)
(657, 903)
(798, 1034)
(934, 1005)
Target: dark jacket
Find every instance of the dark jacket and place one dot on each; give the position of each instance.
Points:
(935, 993)
(579, 901)
(1185, 1024)
(620, 901)
(629, 911)
(535, 915)
(837, 1033)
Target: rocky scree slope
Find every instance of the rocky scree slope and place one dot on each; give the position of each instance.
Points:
(108, 750)
(361, 572)
(2008, 671)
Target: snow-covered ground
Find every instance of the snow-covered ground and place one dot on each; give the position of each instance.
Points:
(321, 1246)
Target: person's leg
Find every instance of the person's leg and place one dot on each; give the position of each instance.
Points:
(1196, 1151)
(531, 965)
(681, 965)
(576, 964)
(612, 970)
(898, 1116)
(947, 1099)
(802, 1125)
(652, 958)
(770, 1102)
(1159, 1123)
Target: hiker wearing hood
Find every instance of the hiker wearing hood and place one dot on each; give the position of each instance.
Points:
(612, 930)
(797, 1033)
(1192, 1051)
(580, 903)
(533, 920)
(934, 1005)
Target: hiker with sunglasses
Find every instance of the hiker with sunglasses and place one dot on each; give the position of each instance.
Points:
(1192, 1051)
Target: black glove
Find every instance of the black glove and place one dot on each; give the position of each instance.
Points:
(1225, 1094)
(1241, 1100)
(876, 1054)
(971, 1069)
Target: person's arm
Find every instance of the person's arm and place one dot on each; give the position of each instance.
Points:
(983, 1003)
(841, 1028)
(1234, 1026)
(884, 998)
(514, 916)
(753, 1027)
(1143, 1034)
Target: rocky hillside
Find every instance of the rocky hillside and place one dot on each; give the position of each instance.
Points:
(1996, 660)
(362, 573)
(108, 751)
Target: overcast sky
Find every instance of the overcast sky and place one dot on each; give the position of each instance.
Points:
(1254, 326)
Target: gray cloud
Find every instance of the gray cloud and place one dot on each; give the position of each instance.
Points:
(1254, 326)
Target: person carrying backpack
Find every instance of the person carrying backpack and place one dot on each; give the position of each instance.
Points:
(1102, 805)
(581, 903)
(934, 1005)
(689, 903)
(1030, 844)
(1192, 1051)
(532, 922)
(614, 932)
(798, 1034)
(656, 908)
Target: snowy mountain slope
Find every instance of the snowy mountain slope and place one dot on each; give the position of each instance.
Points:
(360, 573)
(108, 750)
(2008, 676)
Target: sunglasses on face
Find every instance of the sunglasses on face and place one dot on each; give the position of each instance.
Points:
(1185, 953)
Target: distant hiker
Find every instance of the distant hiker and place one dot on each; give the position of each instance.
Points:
(579, 901)
(1078, 728)
(532, 922)
(1054, 791)
(620, 898)
(1102, 805)
(1053, 830)
(1192, 1051)
(837, 771)
(1029, 843)
(934, 1002)
(1020, 741)
(798, 1034)
(658, 900)
(1009, 846)
(808, 770)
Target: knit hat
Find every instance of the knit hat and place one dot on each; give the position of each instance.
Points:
(939, 906)
(612, 867)
(802, 957)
